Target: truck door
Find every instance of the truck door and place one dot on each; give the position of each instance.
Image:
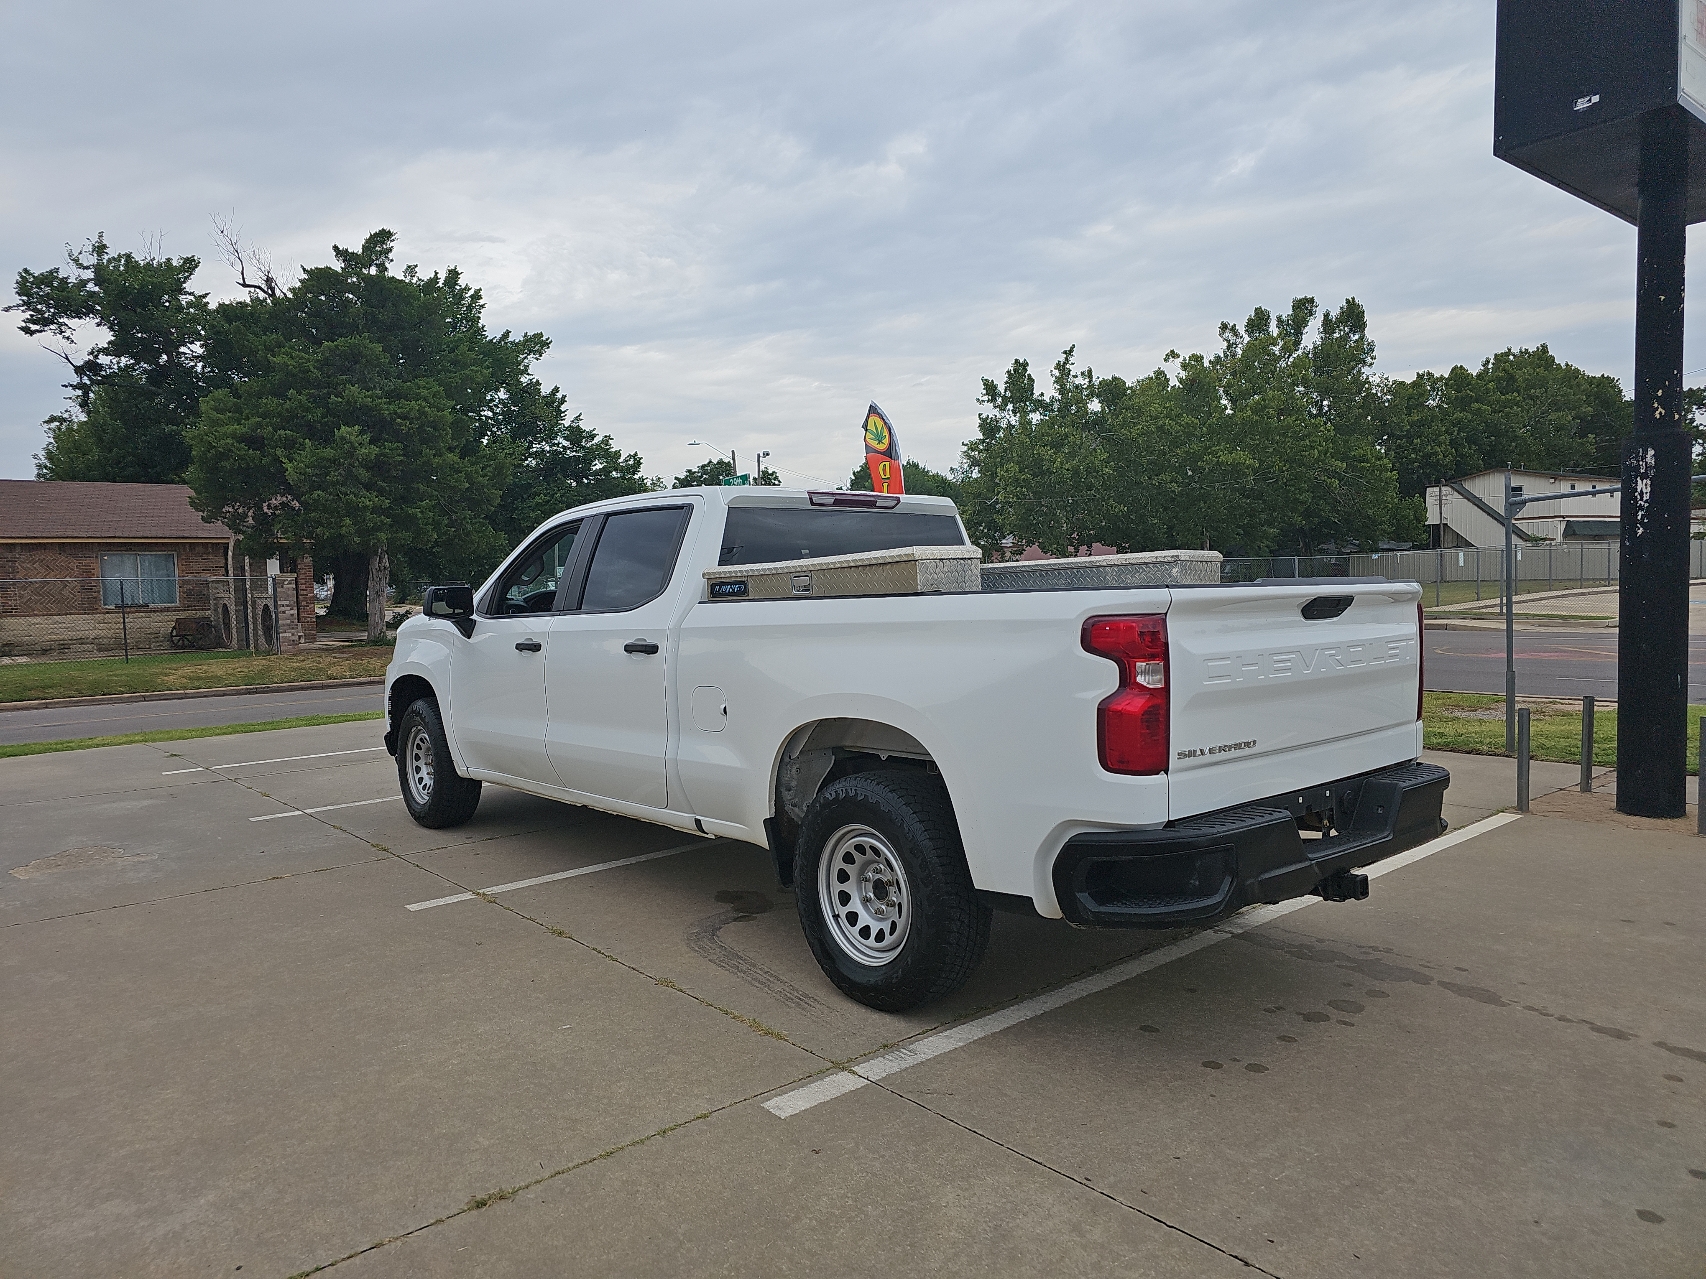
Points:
(608, 729)
(498, 676)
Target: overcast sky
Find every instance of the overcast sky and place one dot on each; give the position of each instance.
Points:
(739, 222)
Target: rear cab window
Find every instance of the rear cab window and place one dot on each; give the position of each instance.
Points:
(754, 534)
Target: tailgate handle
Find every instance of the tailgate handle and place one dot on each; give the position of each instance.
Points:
(1322, 607)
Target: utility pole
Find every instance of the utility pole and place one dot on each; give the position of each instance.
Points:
(1652, 631)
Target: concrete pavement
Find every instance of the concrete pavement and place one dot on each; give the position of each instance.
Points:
(229, 1044)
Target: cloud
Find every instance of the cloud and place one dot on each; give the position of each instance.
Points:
(740, 222)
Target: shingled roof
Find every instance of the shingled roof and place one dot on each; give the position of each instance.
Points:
(75, 511)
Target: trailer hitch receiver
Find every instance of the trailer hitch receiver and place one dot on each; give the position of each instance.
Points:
(1343, 886)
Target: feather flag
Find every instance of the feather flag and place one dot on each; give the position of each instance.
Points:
(882, 452)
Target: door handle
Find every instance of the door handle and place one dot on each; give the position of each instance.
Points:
(528, 646)
(640, 646)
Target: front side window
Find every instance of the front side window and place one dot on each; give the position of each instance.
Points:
(636, 552)
(139, 579)
(531, 586)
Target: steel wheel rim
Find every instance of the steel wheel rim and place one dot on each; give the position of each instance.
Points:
(865, 896)
(417, 765)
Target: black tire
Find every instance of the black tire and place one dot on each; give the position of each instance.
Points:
(435, 794)
(861, 830)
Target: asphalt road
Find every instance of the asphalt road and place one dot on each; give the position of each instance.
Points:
(60, 723)
(1548, 663)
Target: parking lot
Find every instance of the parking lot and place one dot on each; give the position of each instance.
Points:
(256, 1020)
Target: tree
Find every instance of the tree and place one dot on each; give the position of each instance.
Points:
(347, 416)
(134, 393)
(1272, 441)
(917, 477)
(1521, 408)
(556, 464)
(711, 474)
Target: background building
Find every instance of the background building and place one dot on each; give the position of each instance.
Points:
(1470, 511)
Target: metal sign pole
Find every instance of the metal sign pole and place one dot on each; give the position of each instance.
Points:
(1652, 632)
(1510, 625)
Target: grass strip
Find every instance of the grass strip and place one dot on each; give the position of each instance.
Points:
(1459, 722)
(173, 672)
(181, 734)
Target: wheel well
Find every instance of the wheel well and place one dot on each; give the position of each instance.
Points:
(406, 690)
(819, 753)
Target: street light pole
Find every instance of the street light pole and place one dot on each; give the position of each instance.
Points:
(1652, 633)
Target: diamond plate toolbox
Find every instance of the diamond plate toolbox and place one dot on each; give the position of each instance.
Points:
(909, 570)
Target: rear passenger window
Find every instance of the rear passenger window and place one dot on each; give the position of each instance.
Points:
(632, 563)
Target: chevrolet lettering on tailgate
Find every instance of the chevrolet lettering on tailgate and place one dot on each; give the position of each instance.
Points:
(1298, 661)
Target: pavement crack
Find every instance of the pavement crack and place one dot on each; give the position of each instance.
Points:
(502, 1193)
(1077, 1181)
(194, 892)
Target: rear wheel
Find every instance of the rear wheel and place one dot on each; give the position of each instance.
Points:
(433, 792)
(884, 895)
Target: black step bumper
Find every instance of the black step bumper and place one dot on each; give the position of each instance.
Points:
(1204, 868)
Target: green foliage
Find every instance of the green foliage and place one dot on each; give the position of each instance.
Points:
(134, 393)
(348, 412)
(360, 409)
(711, 474)
(365, 410)
(1270, 443)
(1522, 408)
(917, 477)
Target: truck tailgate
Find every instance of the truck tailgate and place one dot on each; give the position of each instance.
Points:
(1265, 698)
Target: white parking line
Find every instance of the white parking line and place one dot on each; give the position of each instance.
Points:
(835, 1085)
(283, 759)
(325, 808)
(562, 874)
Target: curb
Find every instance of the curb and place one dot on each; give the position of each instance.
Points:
(51, 703)
(1530, 627)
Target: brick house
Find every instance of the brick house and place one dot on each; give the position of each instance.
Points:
(72, 553)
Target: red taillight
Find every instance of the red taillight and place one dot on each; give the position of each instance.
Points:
(1131, 722)
(1421, 657)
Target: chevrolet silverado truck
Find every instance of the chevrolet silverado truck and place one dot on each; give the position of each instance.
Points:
(925, 748)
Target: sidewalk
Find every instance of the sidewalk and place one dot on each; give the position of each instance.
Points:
(1482, 785)
(1576, 609)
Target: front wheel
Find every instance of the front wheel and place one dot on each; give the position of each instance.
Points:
(433, 792)
(884, 894)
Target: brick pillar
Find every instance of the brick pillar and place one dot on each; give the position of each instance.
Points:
(289, 633)
(307, 619)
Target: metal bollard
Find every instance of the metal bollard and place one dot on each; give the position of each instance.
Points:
(1699, 809)
(1587, 745)
(1522, 759)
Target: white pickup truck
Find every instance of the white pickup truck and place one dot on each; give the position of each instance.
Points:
(1129, 756)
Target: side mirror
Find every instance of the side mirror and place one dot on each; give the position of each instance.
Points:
(453, 603)
(450, 602)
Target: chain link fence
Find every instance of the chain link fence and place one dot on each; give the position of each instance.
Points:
(56, 618)
(1464, 575)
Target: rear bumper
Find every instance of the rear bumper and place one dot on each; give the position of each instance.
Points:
(1206, 867)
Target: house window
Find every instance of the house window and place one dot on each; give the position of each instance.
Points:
(143, 579)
